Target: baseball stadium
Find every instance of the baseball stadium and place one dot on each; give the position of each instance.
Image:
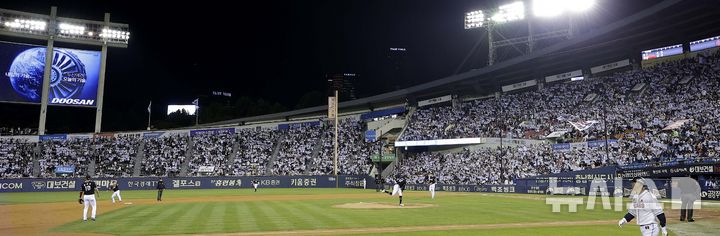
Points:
(497, 117)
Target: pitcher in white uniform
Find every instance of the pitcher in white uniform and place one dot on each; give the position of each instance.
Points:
(646, 208)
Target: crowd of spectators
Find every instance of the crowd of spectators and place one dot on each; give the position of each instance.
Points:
(353, 151)
(75, 152)
(211, 150)
(16, 158)
(638, 107)
(164, 155)
(115, 157)
(254, 151)
(685, 89)
(296, 150)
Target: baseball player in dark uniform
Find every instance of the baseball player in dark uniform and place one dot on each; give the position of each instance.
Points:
(87, 197)
(255, 184)
(160, 188)
(397, 189)
(116, 192)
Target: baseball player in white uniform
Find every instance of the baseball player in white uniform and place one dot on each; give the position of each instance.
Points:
(432, 181)
(116, 192)
(646, 208)
(397, 189)
(255, 184)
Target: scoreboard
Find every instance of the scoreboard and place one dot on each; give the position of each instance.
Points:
(705, 44)
(662, 52)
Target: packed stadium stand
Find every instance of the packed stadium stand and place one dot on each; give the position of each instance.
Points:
(634, 107)
(635, 118)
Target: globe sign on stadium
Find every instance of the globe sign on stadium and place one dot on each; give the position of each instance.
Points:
(73, 75)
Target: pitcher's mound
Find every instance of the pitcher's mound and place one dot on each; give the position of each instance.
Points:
(383, 205)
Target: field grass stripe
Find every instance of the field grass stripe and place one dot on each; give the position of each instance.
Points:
(228, 223)
(214, 221)
(334, 220)
(167, 214)
(127, 221)
(264, 222)
(294, 221)
(201, 217)
(279, 220)
(309, 221)
(245, 217)
(183, 221)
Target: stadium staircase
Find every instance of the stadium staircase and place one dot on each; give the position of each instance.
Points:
(92, 162)
(407, 121)
(139, 158)
(91, 167)
(276, 150)
(188, 156)
(36, 160)
(316, 151)
(233, 155)
(391, 167)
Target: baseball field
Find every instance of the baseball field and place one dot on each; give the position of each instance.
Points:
(318, 212)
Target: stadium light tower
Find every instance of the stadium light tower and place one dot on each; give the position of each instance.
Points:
(553, 8)
(509, 12)
(52, 28)
(516, 11)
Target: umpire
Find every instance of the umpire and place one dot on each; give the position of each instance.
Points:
(160, 188)
(690, 191)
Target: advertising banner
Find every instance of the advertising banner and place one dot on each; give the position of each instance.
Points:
(436, 100)
(149, 135)
(439, 142)
(148, 183)
(298, 125)
(563, 76)
(610, 66)
(69, 169)
(194, 133)
(381, 113)
(370, 136)
(50, 137)
(521, 85)
(332, 107)
(206, 169)
(73, 80)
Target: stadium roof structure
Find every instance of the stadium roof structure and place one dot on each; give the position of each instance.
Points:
(665, 23)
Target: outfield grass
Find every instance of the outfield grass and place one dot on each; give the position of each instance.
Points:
(229, 211)
(47, 197)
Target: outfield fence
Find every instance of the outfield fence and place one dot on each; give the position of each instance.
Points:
(145, 183)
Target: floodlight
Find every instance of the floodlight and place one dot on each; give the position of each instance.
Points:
(579, 5)
(26, 24)
(551, 8)
(474, 19)
(547, 8)
(114, 34)
(509, 12)
(66, 28)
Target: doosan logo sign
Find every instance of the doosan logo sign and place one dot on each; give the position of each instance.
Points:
(71, 101)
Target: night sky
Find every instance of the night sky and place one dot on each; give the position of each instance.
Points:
(276, 50)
